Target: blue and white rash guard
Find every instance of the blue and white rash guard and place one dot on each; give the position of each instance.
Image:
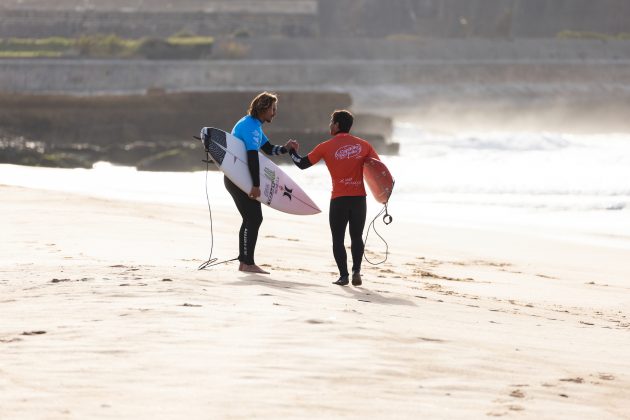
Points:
(249, 130)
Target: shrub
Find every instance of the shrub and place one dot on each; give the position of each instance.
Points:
(104, 46)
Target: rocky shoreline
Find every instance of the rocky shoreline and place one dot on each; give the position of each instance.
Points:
(154, 131)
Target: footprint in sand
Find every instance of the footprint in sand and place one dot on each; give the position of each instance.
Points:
(431, 340)
(38, 332)
(499, 412)
(285, 239)
(10, 340)
(491, 263)
(576, 380)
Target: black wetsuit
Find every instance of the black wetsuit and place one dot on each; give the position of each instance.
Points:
(250, 208)
(346, 211)
(252, 219)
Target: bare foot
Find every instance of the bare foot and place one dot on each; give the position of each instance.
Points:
(251, 268)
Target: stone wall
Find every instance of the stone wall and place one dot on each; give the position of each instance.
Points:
(506, 19)
(233, 6)
(72, 23)
(471, 18)
(544, 18)
(135, 76)
(437, 49)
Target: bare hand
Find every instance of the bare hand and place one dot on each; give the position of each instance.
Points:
(254, 193)
(292, 145)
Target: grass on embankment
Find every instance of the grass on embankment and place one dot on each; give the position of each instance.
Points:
(108, 46)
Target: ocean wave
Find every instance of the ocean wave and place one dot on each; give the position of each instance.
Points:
(617, 206)
(519, 190)
(410, 135)
(507, 143)
(523, 202)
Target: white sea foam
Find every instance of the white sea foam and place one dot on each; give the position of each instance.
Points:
(537, 169)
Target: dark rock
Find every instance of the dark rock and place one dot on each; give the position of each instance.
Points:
(154, 131)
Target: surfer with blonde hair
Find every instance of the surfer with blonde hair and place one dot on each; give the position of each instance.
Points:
(344, 155)
(249, 130)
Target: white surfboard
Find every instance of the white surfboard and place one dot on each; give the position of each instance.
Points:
(277, 189)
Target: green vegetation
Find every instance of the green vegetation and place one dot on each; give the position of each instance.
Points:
(180, 46)
(592, 35)
(30, 54)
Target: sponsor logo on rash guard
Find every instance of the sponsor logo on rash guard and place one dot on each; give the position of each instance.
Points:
(256, 137)
(350, 181)
(348, 151)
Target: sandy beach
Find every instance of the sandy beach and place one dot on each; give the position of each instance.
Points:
(105, 315)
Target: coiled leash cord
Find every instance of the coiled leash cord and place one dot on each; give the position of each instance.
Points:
(211, 261)
(387, 219)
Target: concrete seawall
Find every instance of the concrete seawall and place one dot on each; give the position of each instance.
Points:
(84, 77)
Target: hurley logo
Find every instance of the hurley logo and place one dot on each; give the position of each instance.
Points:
(287, 192)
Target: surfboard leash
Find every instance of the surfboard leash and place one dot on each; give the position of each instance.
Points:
(211, 262)
(387, 219)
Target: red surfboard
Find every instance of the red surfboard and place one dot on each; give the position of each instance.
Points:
(378, 179)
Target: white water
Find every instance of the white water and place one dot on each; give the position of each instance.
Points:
(572, 186)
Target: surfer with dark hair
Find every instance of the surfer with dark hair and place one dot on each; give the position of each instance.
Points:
(248, 129)
(344, 155)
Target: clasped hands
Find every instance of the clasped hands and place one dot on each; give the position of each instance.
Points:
(292, 145)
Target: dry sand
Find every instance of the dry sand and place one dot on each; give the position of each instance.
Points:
(104, 315)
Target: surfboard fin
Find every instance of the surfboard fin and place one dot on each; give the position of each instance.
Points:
(208, 160)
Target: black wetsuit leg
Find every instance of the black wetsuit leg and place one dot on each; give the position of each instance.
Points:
(357, 223)
(251, 213)
(344, 211)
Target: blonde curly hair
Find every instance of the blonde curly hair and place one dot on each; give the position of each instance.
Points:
(261, 103)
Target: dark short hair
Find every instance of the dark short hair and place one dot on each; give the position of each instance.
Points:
(344, 118)
(261, 103)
